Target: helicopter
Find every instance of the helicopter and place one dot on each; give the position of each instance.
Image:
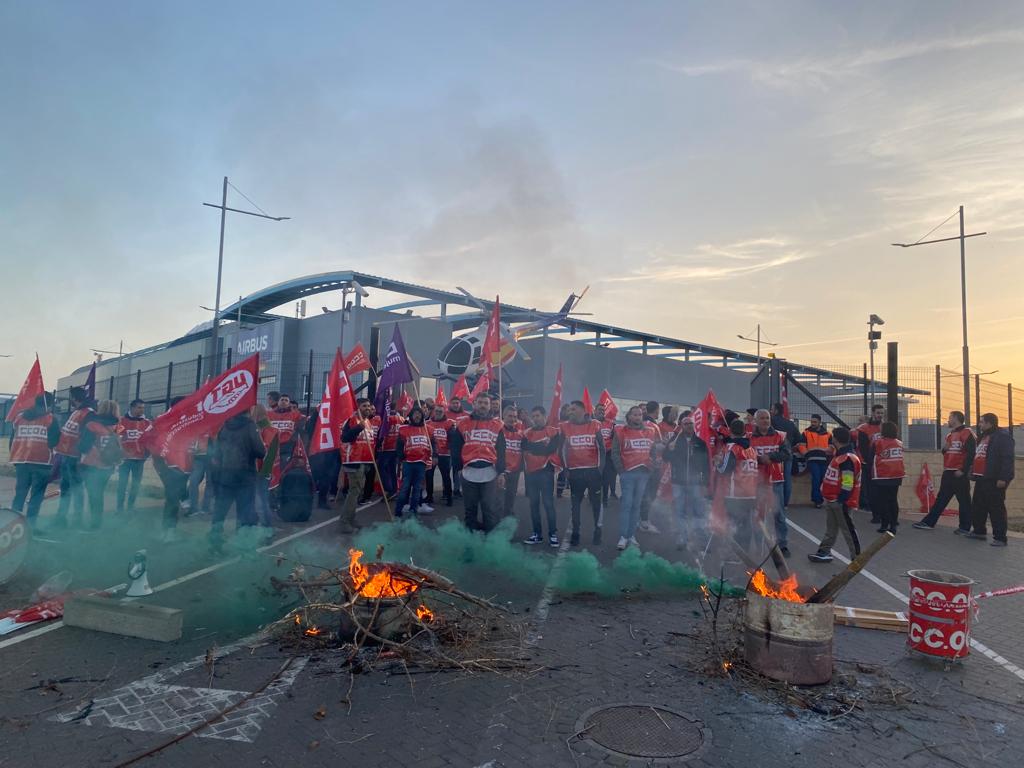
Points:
(462, 354)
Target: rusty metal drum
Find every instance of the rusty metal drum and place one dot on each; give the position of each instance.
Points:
(789, 641)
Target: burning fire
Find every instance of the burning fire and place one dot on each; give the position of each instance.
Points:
(298, 621)
(786, 591)
(377, 580)
(424, 614)
(314, 631)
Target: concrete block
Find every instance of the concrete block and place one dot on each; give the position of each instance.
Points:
(119, 617)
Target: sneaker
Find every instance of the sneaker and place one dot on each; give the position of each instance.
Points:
(997, 543)
(648, 527)
(818, 505)
(553, 540)
(623, 543)
(574, 540)
(534, 538)
(425, 508)
(924, 527)
(820, 557)
(977, 536)
(633, 542)
(784, 550)
(597, 536)
(960, 531)
(883, 529)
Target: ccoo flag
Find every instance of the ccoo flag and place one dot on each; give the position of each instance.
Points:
(30, 390)
(335, 409)
(461, 389)
(611, 410)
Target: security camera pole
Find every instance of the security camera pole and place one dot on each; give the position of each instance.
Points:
(873, 337)
(354, 287)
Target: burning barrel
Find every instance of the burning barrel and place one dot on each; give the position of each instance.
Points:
(384, 602)
(786, 638)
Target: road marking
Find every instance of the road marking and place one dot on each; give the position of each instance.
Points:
(543, 607)
(981, 648)
(34, 633)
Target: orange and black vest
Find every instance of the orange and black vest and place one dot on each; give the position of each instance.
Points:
(816, 445)
(980, 457)
(831, 484)
(30, 444)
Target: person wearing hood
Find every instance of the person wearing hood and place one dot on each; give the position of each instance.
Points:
(101, 452)
(234, 455)
(33, 439)
(414, 446)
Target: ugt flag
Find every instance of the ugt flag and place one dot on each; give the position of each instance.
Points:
(205, 410)
(335, 409)
(30, 390)
(395, 370)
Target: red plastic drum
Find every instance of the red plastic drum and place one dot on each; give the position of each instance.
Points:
(940, 614)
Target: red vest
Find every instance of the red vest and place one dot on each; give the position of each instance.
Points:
(417, 442)
(980, 457)
(831, 484)
(746, 475)
(665, 430)
(458, 416)
(130, 431)
(888, 461)
(104, 435)
(30, 435)
(390, 442)
(285, 423)
(607, 430)
(513, 448)
(581, 451)
(481, 440)
(873, 431)
(956, 449)
(69, 433)
(764, 445)
(360, 451)
(440, 430)
(635, 446)
(535, 462)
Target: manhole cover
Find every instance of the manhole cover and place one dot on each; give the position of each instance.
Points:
(643, 730)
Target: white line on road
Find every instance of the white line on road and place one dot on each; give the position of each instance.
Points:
(983, 649)
(540, 612)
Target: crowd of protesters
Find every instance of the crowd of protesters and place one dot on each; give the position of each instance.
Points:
(258, 464)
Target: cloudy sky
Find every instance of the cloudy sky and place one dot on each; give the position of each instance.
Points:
(702, 166)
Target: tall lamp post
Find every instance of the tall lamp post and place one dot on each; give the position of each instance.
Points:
(223, 207)
(873, 337)
(963, 300)
(759, 341)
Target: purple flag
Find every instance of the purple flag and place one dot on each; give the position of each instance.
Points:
(395, 370)
(90, 383)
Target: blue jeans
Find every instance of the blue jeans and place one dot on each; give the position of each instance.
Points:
(787, 481)
(816, 469)
(130, 469)
(691, 510)
(413, 473)
(632, 485)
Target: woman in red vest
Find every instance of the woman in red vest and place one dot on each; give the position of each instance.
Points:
(36, 432)
(887, 473)
(101, 452)
(414, 446)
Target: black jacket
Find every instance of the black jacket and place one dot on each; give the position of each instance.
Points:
(999, 459)
(688, 459)
(237, 448)
(786, 427)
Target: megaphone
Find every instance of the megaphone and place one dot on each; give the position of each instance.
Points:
(138, 585)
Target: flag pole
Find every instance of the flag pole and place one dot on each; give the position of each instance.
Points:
(501, 398)
(376, 469)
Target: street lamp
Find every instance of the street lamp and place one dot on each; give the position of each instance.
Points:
(963, 299)
(873, 337)
(120, 354)
(223, 207)
(758, 341)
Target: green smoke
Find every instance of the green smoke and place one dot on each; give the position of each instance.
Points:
(460, 554)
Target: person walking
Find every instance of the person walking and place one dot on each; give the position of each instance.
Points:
(633, 456)
(957, 457)
(772, 451)
(440, 427)
(233, 458)
(512, 431)
(358, 438)
(101, 452)
(788, 428)
(815, 446)
(887, 475)
(414, 448)
(584, 457)
(130, 429)
(739, 476)
(992, 472)
(541, 445)
(840, 489)
(687, 456)
(34, 435)
(72, 493)
(479, 441)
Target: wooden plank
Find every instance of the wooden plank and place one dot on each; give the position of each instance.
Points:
(867, 618)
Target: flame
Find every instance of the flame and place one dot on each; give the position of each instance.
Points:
(424, 614)
(377, 580)
(706, 592)
(314, 631)
(726, 666)
(786, 591)
(298, 621)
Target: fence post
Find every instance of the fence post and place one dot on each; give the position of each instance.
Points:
(138, 383)
(309, 383)
(938, 407)
(892, 389)
(1009, 408)
(110, 388)
(977, 398)
(230, 350)
(199, 371)
(170, 373)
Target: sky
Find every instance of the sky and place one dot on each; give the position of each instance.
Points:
(703, 167)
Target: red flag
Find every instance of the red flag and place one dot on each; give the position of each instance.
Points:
(440, 399)
(335, 409)
(405, 403)
(784, 393)
(461, 389)
(707, 417)
(556, 400)
(490, 354)
(205, 410)
(30, 390)
(588, 407)
(611, 410)
(483, 384)
(357, 361)
(925, 489)
(664, 492)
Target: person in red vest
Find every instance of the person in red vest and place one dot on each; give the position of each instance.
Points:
(440, 428)
(101, 452)
(414, 447)
(992, 472)
(652, 409)
(957, 456)
(387, 459)
(584, 457)
(457, 413)
(271, 439)
(887, 473)
(867, 434)
(541, 444)
(772, 452)
(739, 476)
(512, 431)
(481, 444)
(358, 442)
(632, 453)
(840, 489)
(610, 472)
(72, 493)
(34, 435)
(130, 429)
